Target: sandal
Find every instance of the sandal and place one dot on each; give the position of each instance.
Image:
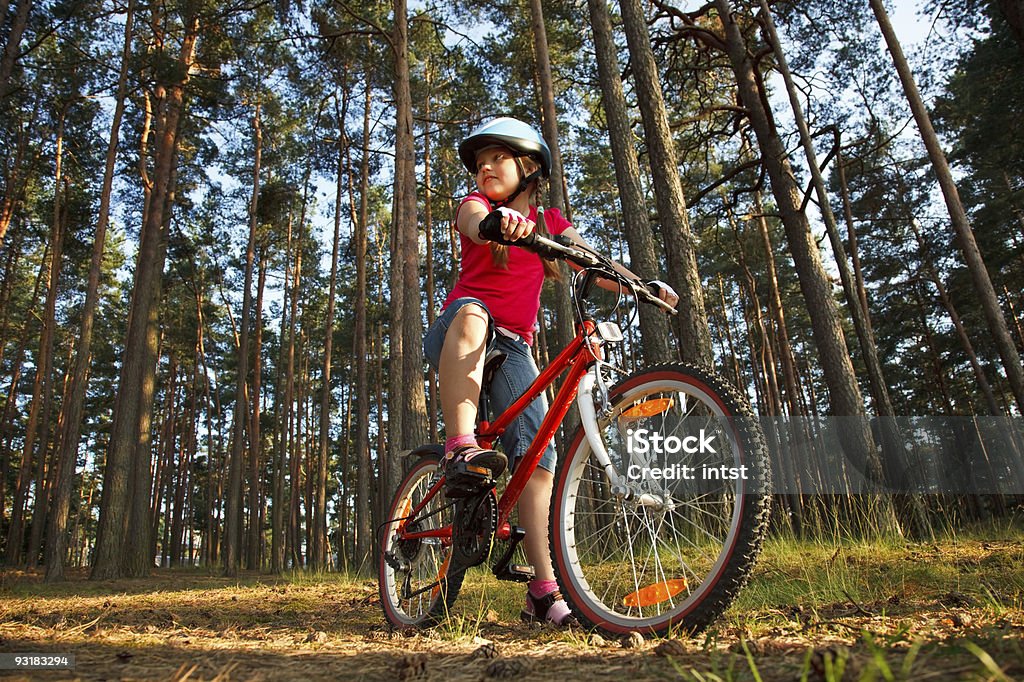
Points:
(551, 608)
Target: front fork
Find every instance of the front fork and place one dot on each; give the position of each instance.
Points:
(620, 486)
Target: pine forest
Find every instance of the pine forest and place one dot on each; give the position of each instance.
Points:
(225, 227)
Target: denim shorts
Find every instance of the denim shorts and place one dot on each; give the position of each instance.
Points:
(510, 381)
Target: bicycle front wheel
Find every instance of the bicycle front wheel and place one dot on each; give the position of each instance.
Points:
(416, 586)
(667, 541)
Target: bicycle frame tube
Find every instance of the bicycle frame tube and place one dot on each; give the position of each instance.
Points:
(578, 356)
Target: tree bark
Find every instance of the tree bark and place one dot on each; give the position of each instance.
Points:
(278, 533)
(254, 544)
(319, 559)
(406, 398)
(364, 472)
(564, 330)
(11, 49)
(71, 423)
(643, 259)
(41, 383)
(1013, 12)
(125, 435)
(233, 516)
(695, 336)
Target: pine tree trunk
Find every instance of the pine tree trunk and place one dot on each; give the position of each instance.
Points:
(11, 50)
(844, 394)
(254, 542)
(564, 320)
(428, 233)
(181, 478)
(364, 471)
(71, 422)
(141, 543)
(41, 383)
(695, 337)
(16, 177)
(233, 517)
(43, 462)
(643, 259)
(136, 371)
(278, 533)
(407, 419)
(1013, 12)
(319, 558)
(961, 224)
(294, 428)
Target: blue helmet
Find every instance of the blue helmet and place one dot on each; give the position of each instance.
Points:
(509, 132)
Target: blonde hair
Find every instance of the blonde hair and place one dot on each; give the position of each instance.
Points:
(499, 252)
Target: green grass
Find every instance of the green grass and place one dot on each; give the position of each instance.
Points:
(813, 610)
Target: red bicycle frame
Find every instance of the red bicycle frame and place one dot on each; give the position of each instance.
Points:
(581, 353)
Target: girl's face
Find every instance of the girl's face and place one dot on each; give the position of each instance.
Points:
(497, 174)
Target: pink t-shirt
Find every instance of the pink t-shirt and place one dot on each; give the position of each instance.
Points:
(511, 295)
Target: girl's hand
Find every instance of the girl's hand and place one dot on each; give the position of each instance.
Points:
(514, 225)
(664, 292)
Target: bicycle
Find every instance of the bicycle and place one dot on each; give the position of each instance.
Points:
(634, 547)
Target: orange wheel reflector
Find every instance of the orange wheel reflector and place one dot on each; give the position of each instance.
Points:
(404, 514)
(441, 573)
(648, 408)
(655, 594)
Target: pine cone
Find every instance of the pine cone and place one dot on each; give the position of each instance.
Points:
(506, 667)
(411, 668)
(670, 647)
(634, 641)
(487, 650)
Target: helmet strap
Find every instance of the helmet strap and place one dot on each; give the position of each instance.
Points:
(524, 182)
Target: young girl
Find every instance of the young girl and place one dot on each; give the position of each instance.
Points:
(494, 304)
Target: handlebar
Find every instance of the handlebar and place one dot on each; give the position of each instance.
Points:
(565, 249)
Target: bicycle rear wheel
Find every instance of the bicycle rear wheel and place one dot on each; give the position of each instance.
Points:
(416, 586)
(672, 543)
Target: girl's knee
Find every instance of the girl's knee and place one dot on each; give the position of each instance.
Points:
(471, 312)
(469, 322)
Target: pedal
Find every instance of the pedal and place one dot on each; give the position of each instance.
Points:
(518, 573)
(466, 480)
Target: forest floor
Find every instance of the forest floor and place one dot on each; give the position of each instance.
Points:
(948, 609)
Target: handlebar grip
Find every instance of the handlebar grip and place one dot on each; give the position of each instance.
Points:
(490, 228)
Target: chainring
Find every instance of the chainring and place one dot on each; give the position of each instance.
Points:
(476, 519)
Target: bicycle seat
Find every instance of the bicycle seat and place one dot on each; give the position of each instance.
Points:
(492, 362)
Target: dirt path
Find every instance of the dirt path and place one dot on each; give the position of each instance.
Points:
(182, 625)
